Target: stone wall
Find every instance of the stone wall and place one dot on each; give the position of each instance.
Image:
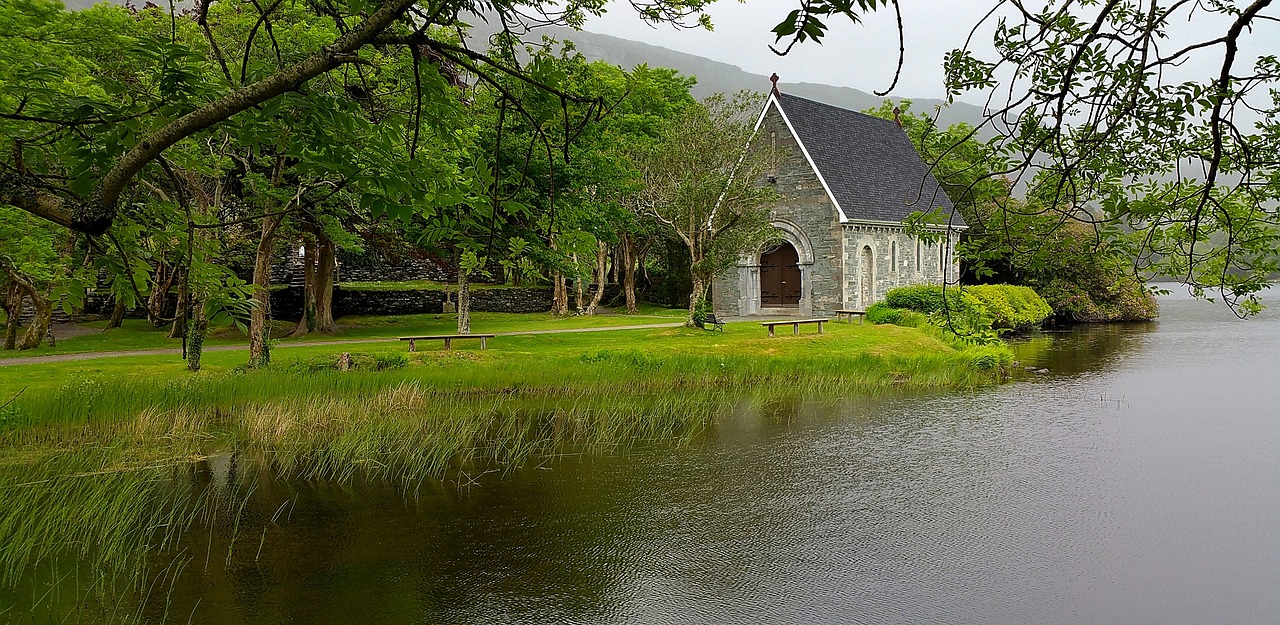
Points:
(404, 269)
(287, 268)
(287, 303)
(898, 259)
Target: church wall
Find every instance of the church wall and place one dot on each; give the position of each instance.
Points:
(887, 274)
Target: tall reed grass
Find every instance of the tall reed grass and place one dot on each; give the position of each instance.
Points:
(103, 473)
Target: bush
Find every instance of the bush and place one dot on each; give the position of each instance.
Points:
(970, 309)
(1010, 307)
(925, 298)
(1122, 299)
(881, 313)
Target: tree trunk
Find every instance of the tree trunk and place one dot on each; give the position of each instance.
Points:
(602, 276)
(180, 314)
(577, 286)
(613, 264)
(159, 299)
(326, 263)
(39, 323)
(259, 328)
(117, 315)
(44, 310)
(629, 273)
(695, 298)
(560, 296)
(13, 309)
(464, 302)
(197, 329)
(309, 260)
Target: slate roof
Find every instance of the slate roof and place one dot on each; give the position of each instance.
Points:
(868, 163)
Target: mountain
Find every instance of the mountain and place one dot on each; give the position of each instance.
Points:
(718, 77)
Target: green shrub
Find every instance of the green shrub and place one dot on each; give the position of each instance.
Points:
(881, 313)
(925, 298)
(1124, 298)
(970, 310)
(1010, 307)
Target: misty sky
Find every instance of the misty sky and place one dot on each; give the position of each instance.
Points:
(863, 56)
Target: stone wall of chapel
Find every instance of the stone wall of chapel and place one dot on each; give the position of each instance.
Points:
(804, 203)
(914, 264)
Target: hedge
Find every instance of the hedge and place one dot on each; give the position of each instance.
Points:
(1011, 307)
(1001, 306)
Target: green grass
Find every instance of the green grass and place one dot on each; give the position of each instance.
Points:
(580, 359)
(138, 334)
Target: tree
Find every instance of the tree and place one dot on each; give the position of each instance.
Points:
(702, 185)
(35, 264)
(120, 102)
(1084, 277)
(1099, 115)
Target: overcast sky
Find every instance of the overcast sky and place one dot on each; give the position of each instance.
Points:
(863, 56)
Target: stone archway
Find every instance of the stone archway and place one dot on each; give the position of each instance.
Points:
(750, 265)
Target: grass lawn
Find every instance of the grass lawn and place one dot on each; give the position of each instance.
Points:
(138, 334)
(877, 354)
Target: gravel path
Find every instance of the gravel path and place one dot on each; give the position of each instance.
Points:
(27, 360)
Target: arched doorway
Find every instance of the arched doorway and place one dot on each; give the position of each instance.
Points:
(780, 277)
(868, 279)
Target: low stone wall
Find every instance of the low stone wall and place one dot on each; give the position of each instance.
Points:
(287, 303)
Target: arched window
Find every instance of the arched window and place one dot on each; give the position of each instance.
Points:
(942, 256)
(919, 253)
(773, 149)
(893, 257)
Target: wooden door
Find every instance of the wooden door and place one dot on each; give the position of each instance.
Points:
(780, 277)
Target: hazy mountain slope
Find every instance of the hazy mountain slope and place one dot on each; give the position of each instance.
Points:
(717, 77)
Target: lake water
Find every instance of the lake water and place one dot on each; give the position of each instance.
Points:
(1137, 482)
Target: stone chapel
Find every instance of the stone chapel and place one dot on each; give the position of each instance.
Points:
(847, 186)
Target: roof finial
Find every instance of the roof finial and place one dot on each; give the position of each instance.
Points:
(897, 116)
(774, 80)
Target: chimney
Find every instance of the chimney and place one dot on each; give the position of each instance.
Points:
(774, 80)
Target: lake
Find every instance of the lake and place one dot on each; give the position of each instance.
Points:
(1138, 481)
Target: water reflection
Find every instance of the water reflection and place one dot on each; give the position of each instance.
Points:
(1082, 349)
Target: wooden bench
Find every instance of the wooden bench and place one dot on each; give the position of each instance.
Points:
(860, 314)
(447, 338)
(794, 323)
(715, 324)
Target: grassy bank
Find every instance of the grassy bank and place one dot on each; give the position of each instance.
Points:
(856, 357)
(104, 462)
